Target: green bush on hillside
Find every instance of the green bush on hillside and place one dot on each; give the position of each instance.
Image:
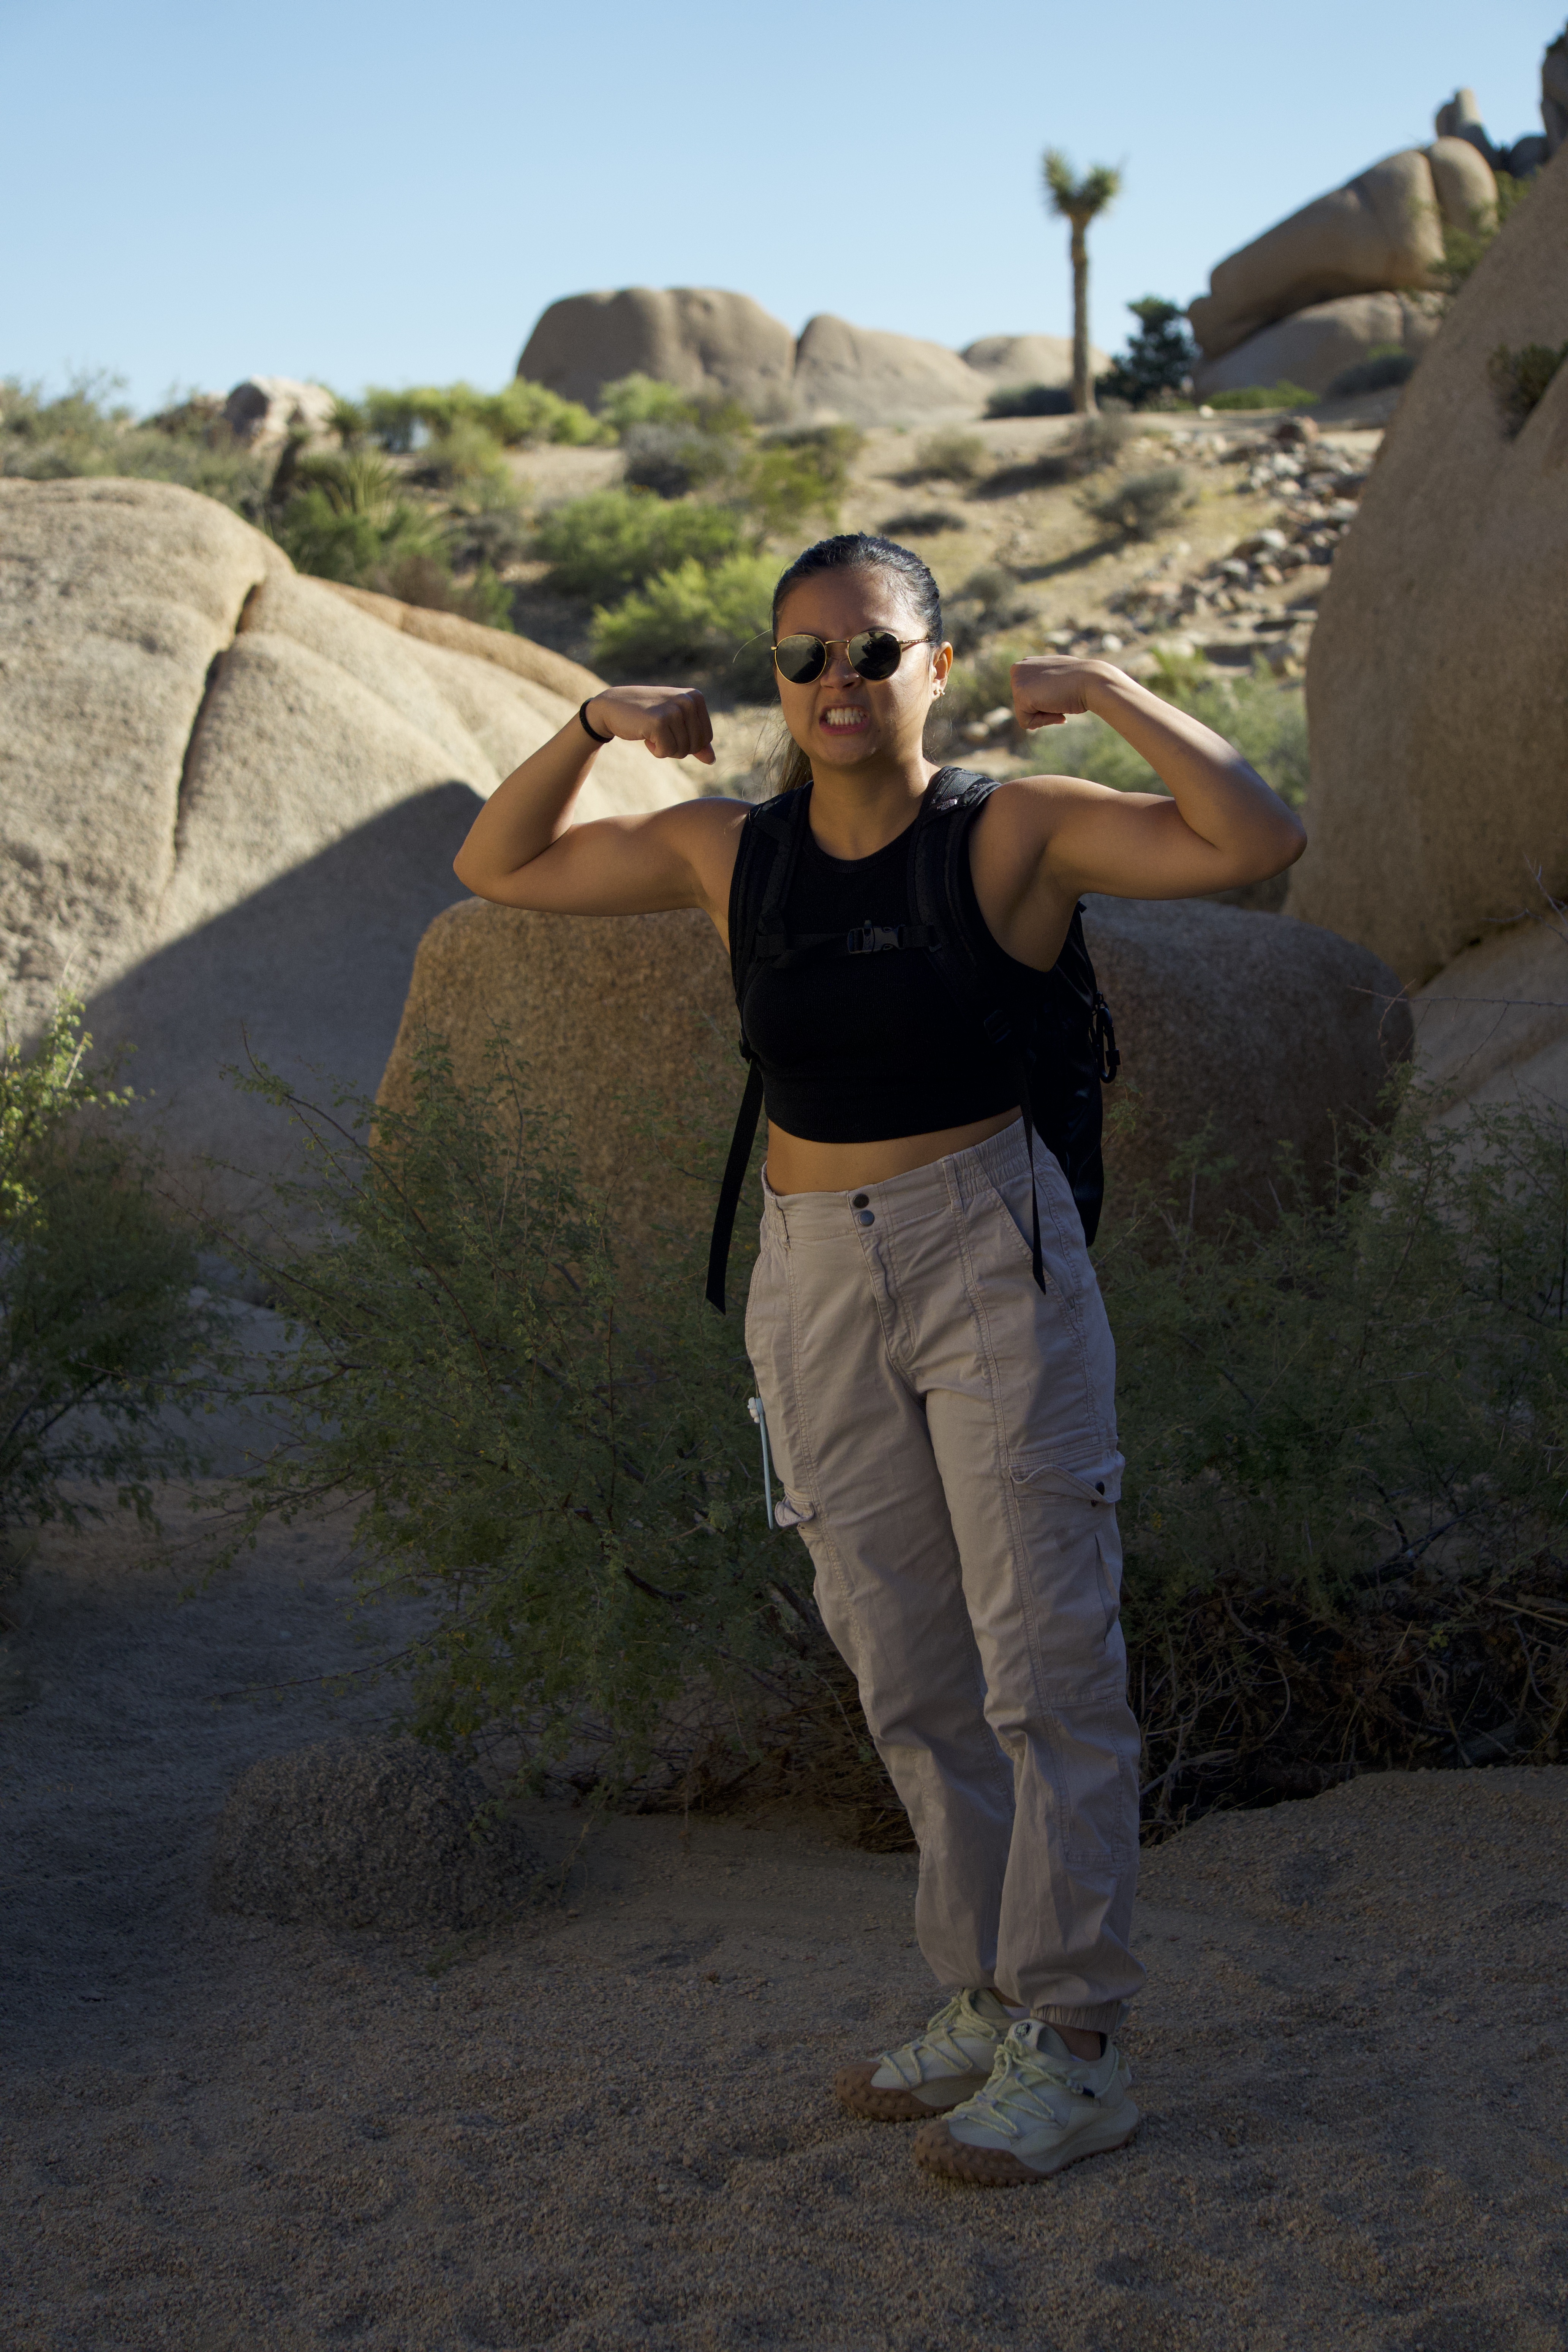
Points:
(600, 546)
(1258, 396)
(796, 475)
(84, 431)
(563, 1463)
(96, 1325)
(1140, 505)
(1463, 247)
(1346, 1435)
(639, 399)
(519, 414)
(1157, 365)
(1030, 400)
(951, 455)
(695, 617)
(1519, 380)
(1265, 718)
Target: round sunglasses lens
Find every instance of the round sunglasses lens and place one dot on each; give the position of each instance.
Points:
(800, 659)
(874, 654)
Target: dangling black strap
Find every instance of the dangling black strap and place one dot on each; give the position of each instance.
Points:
(735, 1169)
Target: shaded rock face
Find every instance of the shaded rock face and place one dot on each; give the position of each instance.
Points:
(383, 1834)
(697, 338)
(1272, 1032)
(1440, 724)
(1492, 1027)
(1312, 348)
(1383, 233)
(604, 1011)
(230, 799)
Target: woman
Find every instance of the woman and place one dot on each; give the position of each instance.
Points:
(943, 1424)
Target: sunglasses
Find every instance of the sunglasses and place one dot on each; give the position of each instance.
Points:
(874, 654)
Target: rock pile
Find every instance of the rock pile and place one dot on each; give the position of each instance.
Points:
(386, 1834)
(724, 345)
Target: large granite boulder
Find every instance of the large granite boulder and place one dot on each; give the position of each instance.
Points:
(1272, 1033)
(1435, 685)
(1493, 1026)
(230, 800)
(1318, 344)
(866, 377)
(1005, 359)
(702, 340)
(1383, 233)
(265, 410)
(380, 1833)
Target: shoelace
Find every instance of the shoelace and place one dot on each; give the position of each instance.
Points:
(938, 2036)
(1018, 2095)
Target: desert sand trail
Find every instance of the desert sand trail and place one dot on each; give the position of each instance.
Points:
(609, 2123)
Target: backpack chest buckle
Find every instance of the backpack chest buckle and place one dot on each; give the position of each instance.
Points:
(873, 938)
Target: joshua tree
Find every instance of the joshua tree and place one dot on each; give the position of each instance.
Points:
(1078, 202)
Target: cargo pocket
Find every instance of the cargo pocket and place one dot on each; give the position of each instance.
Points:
(1073, 1552)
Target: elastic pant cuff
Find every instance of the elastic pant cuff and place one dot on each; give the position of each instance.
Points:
(1105, 2017)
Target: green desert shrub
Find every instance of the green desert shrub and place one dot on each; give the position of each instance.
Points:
(1519, 380)
(639, 399)
(1463, 247)
(1140, 506)
(1385, 365)
(560, 1460)
(1259, 395)
(1265, 718)
(97, 1324)
(694, 616)
(951, 455)
(1346, 1436)
(1030, 400)
(85, 431)
(348, 519)
(795, 476)
(1090, 447)
(989, 600)
(601, 546)
(1158, 362)
(519, 414)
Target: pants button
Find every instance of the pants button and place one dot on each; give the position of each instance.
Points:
(859, 1201)
(866, 1218)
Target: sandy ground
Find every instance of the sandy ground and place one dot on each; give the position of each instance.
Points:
(609, 2123)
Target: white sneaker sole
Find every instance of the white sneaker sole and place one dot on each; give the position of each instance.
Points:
(855, 2089)
(997, 2167)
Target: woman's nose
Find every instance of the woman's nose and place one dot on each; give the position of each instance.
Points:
(840, 670)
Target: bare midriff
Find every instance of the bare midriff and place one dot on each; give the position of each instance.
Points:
(796, 1165)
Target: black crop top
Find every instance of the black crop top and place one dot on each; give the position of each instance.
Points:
(857, 1049)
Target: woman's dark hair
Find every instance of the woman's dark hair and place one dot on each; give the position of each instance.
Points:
(856, 551)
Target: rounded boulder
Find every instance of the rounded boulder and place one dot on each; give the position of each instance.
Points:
(698, 338)
(1435, 685)
(379, 1834)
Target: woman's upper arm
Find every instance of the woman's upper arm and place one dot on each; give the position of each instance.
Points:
(671, 858)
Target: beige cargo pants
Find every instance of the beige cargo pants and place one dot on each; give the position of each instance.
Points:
(946, 1440)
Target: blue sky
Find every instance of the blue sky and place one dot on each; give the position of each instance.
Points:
(385, 194)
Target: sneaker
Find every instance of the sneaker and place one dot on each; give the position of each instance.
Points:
(1042, 2109)
(949, 2061)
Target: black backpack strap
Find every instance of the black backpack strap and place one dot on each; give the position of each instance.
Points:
(735, 1167)
(765, 859)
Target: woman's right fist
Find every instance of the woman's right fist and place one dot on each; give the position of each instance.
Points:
(672, 723)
